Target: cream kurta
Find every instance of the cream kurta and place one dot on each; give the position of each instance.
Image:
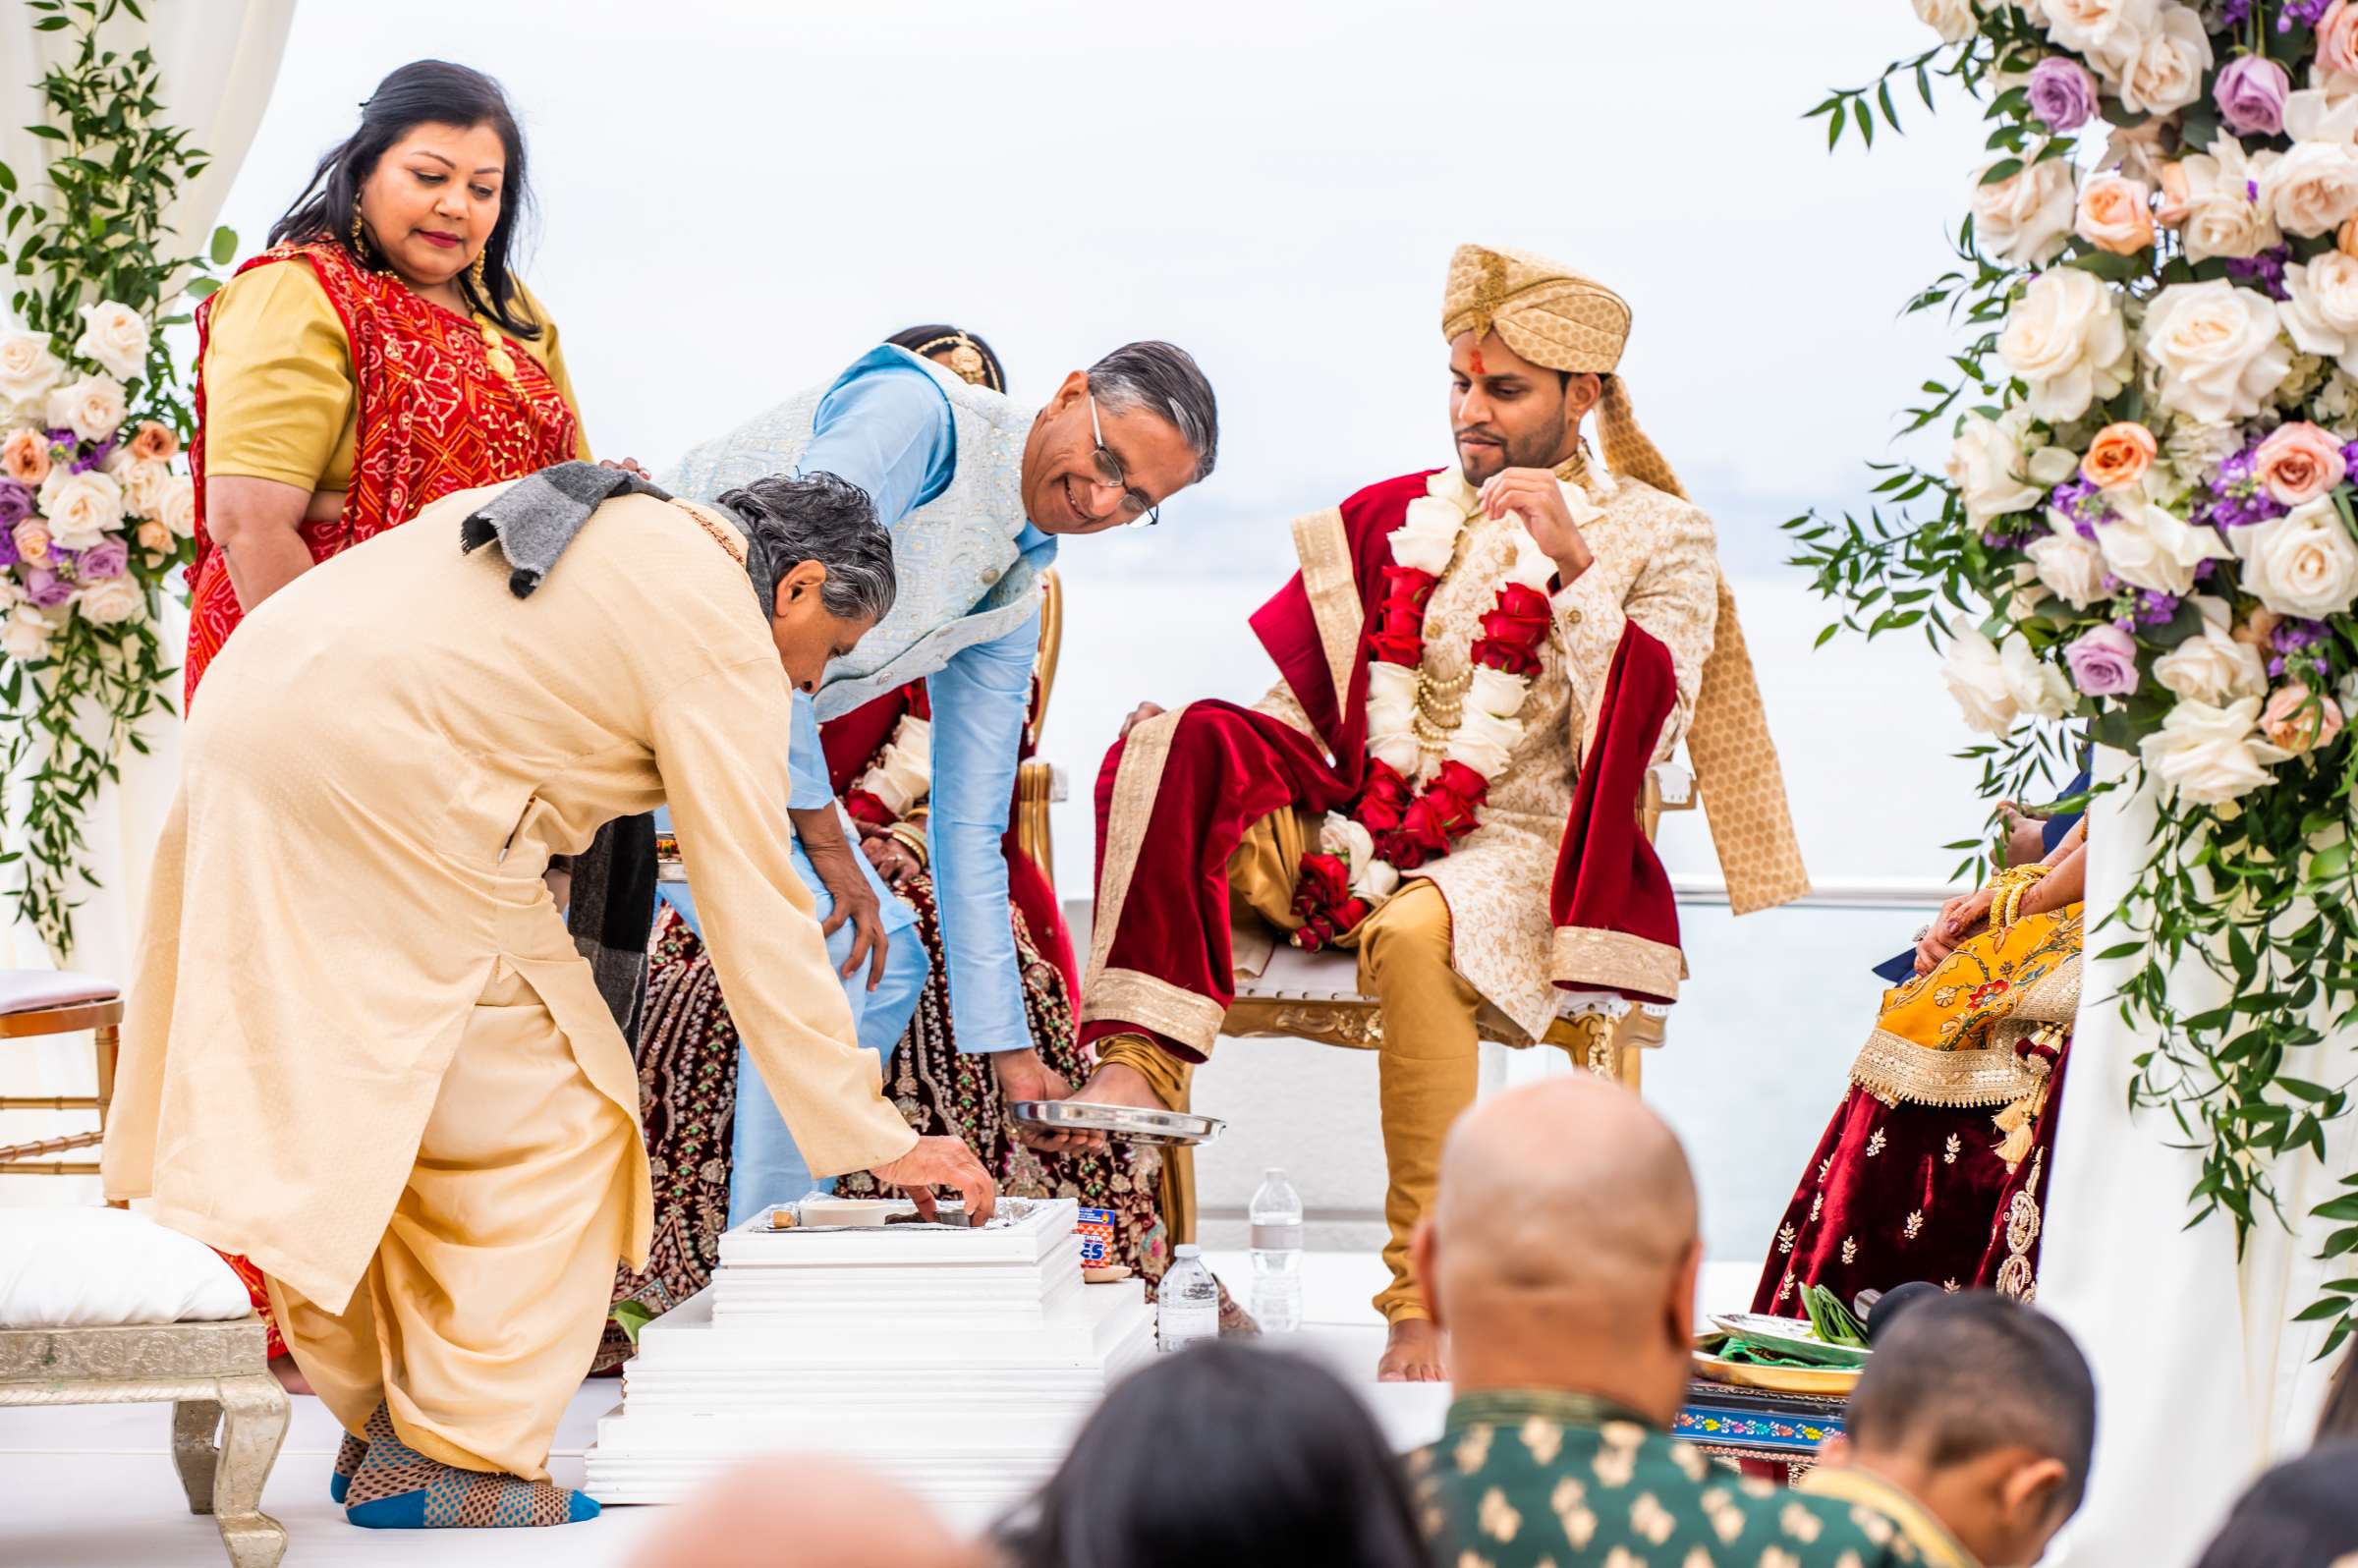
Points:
(387, 754)
(1654, 565)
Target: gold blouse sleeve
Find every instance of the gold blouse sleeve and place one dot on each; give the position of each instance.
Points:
(278, 389)
(550, 352)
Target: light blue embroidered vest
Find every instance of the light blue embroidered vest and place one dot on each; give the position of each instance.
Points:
(962, 579)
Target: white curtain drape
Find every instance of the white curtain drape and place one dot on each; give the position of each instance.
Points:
(218, 60)
(2202, 1376)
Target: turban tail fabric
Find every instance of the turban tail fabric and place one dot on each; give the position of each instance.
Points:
(1554, 317)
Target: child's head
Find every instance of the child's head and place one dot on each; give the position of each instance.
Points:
(1984, 1410)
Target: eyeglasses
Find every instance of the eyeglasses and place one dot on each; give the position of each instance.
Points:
(1112, 474)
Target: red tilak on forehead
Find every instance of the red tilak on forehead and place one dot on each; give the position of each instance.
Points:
(1478, 365)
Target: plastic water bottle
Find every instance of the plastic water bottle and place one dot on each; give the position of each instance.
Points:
(1187, 1303)
(1277, 1216)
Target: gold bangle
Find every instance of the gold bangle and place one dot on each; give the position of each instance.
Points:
(912, 840)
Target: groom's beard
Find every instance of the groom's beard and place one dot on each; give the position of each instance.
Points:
(1537, 452)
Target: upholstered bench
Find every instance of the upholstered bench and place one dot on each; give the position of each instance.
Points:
(103, 1307)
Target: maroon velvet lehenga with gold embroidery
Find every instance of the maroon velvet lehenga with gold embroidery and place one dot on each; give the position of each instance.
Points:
(1936, 1166)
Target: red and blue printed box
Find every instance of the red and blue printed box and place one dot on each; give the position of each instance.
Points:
(1094, 1227)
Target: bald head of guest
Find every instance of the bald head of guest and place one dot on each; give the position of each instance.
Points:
(1562, 1249)
(805, 1513)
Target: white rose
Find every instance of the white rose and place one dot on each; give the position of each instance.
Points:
(2052, 466)
(26, 634)
(2069, 565)
(1428, 534)
(1975, 677)
(2208, 753)
(92, 406)
(110, 601)
(2303, 563)
(1375, 881)
(2216, 348)
(1498, 691)
(2313, 187)
(1391, 715)
(28, 369)
(2211, 667)
(1953, 20)
(2066, 340)
(2164, 72)
(144, 482)
(2149, 546)
(10, 593)
(2224, 215)
(2106, 31)
(177, 509)
(114, 337)
(2036, 686)
(2315, 115)
(1348, 841)
(1485, 742)
(1531, 567)
(1984, 464)
(2025, 218)
(83, 509)
(2321, 315)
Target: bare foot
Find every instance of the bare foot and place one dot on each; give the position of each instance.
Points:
(1110, 1084)
(290, 1377)
(1412, 1353)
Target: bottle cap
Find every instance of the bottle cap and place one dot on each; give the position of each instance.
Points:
(1275, 1173)
(1187, 1249)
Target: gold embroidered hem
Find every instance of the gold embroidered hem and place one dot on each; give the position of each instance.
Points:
(1135, 785)
(1126, 996)
(1324, 551)
(1586, 955)
(1897, 1069)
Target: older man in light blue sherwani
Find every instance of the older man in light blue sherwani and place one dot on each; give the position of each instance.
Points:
(976, 490)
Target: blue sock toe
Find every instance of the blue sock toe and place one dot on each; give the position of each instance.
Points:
(582, 1506)
(338, 1486)
(404, 1511)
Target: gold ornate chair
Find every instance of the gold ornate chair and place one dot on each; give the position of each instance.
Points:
(1039, 784)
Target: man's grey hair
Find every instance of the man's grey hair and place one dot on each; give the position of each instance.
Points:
(819, 517)
(1164, 380)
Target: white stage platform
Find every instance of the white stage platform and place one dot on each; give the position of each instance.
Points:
(92, 1486)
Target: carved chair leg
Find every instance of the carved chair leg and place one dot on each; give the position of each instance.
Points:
(194, 1424)
(254, 1415)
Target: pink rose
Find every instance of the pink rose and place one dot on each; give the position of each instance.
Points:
(154, 441)
(154, 536)
(2337, 39)
(2177, 196)
(2102, 661)
(32, 541)
(2114, 215)
(25, 456)
(2250, 94)
(2297, 719)
(2298, 463)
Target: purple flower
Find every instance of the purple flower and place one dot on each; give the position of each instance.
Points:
(2304, 12)
(8, 548)
(109, 557)
(46, 588)
(2266, 269)
(2083, 504)
(2233, 14)
(94, 456)
(2062, 92)
(2102, 661)
(2250, 95)
(2239, 500)
(16, 504)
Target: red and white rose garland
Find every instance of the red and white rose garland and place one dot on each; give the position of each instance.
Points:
(1423, 790)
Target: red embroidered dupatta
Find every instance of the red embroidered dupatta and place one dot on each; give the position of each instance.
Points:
(433, 418)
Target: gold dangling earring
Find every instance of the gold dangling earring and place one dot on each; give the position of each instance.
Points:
(359, 249)
(482, 292)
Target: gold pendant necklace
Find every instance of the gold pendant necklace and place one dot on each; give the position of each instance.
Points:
(496, 353)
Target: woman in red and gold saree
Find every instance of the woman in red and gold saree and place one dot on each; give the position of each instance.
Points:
(1933, 1166)
(380, 356)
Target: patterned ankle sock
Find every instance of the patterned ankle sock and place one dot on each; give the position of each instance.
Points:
(396, 1487)
(348, 1464)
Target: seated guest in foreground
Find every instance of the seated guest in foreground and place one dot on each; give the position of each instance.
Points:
(1560, 1258)
(413, 728)
(1933, 1165)
(1226, 1456)
(1478, 666)
(2302, 1514)
(1971, 1432)
(977, 490)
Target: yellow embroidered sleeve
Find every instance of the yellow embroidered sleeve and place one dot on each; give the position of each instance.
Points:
(1676, 596)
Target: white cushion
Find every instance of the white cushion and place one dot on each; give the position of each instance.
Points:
(102, 1267)
(29, 991)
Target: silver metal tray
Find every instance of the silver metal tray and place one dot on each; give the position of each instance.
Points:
(1128, 1123)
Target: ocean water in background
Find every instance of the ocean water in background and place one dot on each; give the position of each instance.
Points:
(1777, 1003)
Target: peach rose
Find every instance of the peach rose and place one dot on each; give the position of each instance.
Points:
(2290, 722)
(32, 541)
(156, 538)
(2114, 217)
(2177, 196)
(154, 441)
(2258, 629)
(2345, 238)
(2337, 39)
(25, 457)
(2298, 463)
(2118, 456)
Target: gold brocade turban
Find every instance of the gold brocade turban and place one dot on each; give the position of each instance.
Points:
(1552, 315)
